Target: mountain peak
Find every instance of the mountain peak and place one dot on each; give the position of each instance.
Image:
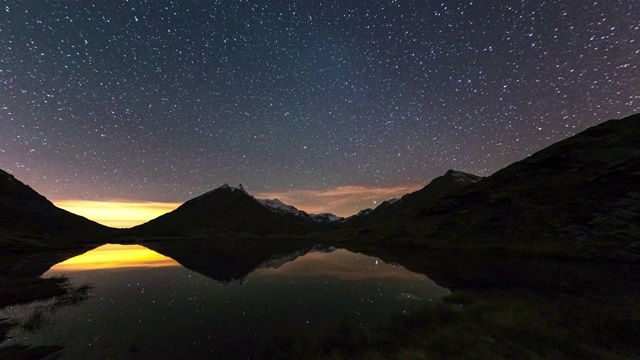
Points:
(227, 187)
(279, 207)
(325, 217)
(450, 182)
(461, 178)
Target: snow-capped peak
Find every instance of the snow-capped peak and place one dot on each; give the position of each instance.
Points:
(360, 213)
(325, 217)
(463, 178)
(278, 206)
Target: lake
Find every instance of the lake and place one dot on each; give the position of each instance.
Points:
(178, 302)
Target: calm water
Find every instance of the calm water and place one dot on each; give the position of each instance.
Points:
(146, 305)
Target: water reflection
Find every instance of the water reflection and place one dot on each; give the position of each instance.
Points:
(114, 256)
(144, 305)
(341, 264)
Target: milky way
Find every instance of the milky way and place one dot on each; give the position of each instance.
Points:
(164, 100)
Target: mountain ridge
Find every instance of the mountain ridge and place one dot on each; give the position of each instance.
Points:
(578, 196)
(440, 186)
(25, 212)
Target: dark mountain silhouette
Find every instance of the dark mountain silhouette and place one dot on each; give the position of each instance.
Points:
(26, 214)
(225, 210)
(580, 196)
(414, 202)
(360, 214)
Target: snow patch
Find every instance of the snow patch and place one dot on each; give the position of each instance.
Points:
(278, 206)
(325, 217)
(463, 178)
(360, 213)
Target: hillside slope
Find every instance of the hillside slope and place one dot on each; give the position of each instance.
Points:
(24, 213)
(577, 197)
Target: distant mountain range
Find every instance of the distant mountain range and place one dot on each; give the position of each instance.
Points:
(580, 195)
(278, 206)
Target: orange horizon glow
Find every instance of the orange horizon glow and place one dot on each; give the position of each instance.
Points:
(342, 201)
(118, 214)
(114, 256)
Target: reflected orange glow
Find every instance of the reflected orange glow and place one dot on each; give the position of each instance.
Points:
(119, 214)
(342, 264)
(113, 256)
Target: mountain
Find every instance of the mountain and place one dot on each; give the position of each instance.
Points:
(325, 218)
(26, 214)
(278, 206)
(226, 210)
(415, 202)
(360, 214)
(577, 197)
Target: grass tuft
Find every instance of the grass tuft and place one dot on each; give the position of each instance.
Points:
(494, 324)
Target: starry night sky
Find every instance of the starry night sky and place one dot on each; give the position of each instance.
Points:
(164, 100)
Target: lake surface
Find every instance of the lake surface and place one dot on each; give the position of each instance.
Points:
(143, 304)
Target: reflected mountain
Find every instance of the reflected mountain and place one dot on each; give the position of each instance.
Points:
(36, 264)
(115, 256)
(484, 272)
(221, 261)
(136, 289)
(228, 262)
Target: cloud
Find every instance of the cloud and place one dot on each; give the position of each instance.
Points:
(342, 200)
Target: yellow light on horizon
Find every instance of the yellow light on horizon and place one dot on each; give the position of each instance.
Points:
(114, 256)
(119, 214)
